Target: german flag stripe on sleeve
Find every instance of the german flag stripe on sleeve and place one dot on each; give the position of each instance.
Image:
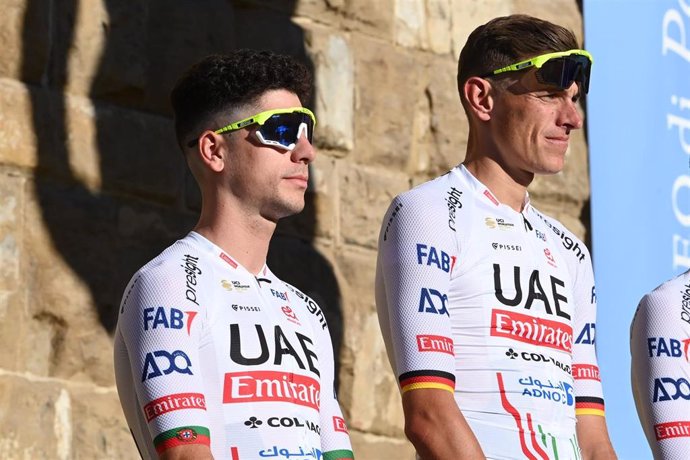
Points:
(342, 454)
(585, 405)
(416, 380)
(181, 436)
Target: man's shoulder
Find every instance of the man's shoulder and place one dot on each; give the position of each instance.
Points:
(433, 198)
(428, 191)
(181, 256)
(677, 287)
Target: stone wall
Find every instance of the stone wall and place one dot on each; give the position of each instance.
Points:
(92, 185)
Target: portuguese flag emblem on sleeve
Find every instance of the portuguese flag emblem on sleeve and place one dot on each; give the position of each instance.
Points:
(181, 436)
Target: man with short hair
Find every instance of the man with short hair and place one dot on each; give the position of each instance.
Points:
(215, 357)
(486, 305)
(660, 371)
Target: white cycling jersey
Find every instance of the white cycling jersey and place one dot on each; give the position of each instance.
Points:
(660, 345)
(205, 352)
(495, 306)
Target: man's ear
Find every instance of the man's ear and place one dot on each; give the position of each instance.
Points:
(479, 95)
(212, 151)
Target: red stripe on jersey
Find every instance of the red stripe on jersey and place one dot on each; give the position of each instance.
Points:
(227, 258)
(516, 415)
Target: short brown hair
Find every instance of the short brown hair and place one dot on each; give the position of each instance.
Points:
(507, 40)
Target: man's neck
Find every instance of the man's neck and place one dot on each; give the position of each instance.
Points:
(245, 237)
(508, 189)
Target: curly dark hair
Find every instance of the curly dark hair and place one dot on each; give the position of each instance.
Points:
(223, 83)
(509, 39)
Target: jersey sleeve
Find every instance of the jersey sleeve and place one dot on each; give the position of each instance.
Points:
(659, 346)
(416, 255)
(589, 398)
(160, 322)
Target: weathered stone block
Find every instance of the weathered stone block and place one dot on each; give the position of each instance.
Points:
(467, 15)
(78, 261)
(390, 83)
(116, 149)
(157, 42)
(32, 416)
(372, 447)
(368, 387)
(11, 226)
(24, 39)
(334, 79)
(565, 13)
(371, 18)
(13, 321)
(18, 130)
(440, 125)
(424, 24)
(366, 193)
(98, 425)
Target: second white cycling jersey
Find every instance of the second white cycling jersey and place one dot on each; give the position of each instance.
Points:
(660, 349)
(495, 306)
(208, 353)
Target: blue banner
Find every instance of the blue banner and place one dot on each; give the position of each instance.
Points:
(638, 121)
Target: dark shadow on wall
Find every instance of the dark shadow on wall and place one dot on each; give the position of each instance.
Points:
(146, 198)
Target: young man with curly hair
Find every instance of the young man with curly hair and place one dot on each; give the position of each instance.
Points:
(216, 357)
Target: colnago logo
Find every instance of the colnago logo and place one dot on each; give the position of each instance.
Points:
(339, 424)
(283, 422)
(191, 272)
(528, 329)
(679, 429)
(685, 304)
(172, 403)
(453, 202)
(437, 343)
(538, 358)
(659, 347)
(670, 389)
(586, 372)
(271, 386)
